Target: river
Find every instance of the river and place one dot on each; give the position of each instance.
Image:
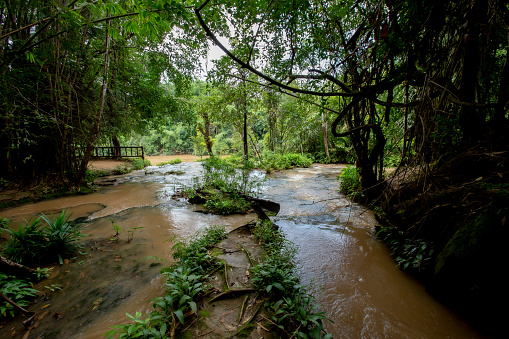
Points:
(350, 272)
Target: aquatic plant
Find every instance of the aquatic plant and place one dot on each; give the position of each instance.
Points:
(61, 235)
(26, 243)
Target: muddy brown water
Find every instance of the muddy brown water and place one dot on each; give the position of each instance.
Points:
(352, 274)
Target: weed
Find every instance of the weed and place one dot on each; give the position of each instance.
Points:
(130, 233)
(115, 237)
(226, 204)
(410, 254)
(61, 235)
(42, 273)
(139, 163)
(18, 290)
(25, 244)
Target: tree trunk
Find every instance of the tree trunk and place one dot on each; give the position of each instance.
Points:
(97, 126)
(325, 129)
(471, 121)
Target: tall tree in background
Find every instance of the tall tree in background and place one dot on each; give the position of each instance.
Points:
(69, 68)
(449, 57)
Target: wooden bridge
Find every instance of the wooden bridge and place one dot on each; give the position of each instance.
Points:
(113, 152)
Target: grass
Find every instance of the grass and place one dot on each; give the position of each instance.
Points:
(270, 161)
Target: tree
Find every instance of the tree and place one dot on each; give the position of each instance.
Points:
(439, 53)
(71, 68)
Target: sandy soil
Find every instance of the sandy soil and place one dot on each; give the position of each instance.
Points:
(107, 164)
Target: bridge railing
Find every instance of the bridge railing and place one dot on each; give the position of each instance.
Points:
(113, 152)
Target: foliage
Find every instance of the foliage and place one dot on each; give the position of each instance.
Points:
(139, 163)
(60, 95)
(226, 204)
(224, 186)
(350, 183)
(33, 243)
(170, 162)
(271, 160)
(61, 235)
(26, 244)
(291, 306)
(414, 255)
(222, 175)
(184, 284)
(194, 255)
(18, 290)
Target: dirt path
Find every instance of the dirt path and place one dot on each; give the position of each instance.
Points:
(108, 165)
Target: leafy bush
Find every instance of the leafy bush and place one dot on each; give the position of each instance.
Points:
(25, 245)
(226, 204)
(194, 255)
(414, 255)
(223, 175)
(33, 243)
(61, 236)
(139, 163)
(271, 160)
(18, 290)
(350, 183)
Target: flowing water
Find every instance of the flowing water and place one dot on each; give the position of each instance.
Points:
(350, 272)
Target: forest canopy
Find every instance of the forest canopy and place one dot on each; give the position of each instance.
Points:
(406, 81)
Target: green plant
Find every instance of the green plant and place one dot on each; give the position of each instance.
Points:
(54, 287)
(130, 233)
(139, 163)
(18, 290)
(4, 183)
(184, 283)
(61, 235)
(116, 229)
(226, 204)
(26, 244)
(350, 183)
(291, 306)
(195, 255)
(139, 328)
(171, 162)
(122, 169)
(410, 254)
(42, 273)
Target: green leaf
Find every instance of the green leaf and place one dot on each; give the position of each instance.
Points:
(180, 315)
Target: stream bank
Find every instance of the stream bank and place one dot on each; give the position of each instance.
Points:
(459, 211)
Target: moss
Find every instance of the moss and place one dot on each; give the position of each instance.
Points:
(465, 246)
